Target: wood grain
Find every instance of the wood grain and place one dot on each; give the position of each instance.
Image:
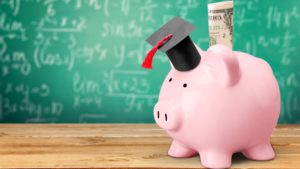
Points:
(118, 146)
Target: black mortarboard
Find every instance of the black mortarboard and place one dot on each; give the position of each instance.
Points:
(173, 39)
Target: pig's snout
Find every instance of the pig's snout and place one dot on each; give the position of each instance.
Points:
(167, 115)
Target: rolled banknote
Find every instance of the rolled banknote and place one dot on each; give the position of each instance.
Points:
(220, 23)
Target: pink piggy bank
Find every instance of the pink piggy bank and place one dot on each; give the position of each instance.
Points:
(216, 102)
(229, 103)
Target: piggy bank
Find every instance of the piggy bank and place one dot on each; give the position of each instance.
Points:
(229, 103)
(216, 102)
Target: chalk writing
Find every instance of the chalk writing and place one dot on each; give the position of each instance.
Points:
(137, 103)
(118, 81)
(16, 60)
(46, 53)
(42, 90)
(11, 29)
(14, 5)
(129, 30)
(89, 54)
(86, 91)
(36, 110)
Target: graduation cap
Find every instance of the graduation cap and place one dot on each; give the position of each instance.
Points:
(173, 39)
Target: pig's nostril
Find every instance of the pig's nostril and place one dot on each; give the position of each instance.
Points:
(158, 114)
(166, 117)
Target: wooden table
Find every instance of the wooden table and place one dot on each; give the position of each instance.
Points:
(118, 146)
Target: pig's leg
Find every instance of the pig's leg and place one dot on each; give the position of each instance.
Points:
(179, 150)
(216, 158)
(260, 152)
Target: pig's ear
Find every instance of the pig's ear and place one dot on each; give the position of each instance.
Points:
(224, 64)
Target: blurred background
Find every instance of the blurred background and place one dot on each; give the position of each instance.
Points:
(78, 61)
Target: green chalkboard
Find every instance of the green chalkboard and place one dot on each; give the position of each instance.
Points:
(78, 61)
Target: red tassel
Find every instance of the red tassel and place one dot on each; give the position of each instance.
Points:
(147, 64)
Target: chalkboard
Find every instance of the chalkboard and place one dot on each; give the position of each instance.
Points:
(78, 61)
(270, 29)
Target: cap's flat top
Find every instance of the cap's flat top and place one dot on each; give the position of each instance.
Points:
(178, 27)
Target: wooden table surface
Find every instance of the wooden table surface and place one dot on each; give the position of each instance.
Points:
(118, 146)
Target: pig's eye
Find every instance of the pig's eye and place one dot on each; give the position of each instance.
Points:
(170, 79)
(185, 85)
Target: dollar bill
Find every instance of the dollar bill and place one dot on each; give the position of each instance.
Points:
(220, 23)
